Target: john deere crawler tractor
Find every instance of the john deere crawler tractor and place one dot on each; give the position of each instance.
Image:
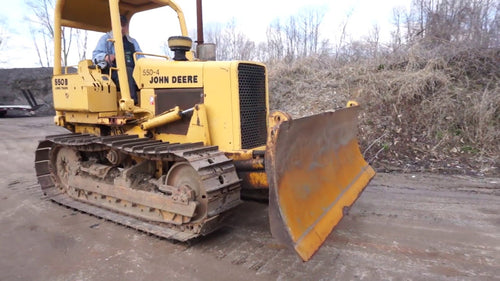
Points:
(177, 163)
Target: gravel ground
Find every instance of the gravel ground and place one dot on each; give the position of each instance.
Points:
(403, 227)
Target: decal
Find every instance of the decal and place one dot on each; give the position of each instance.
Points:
(175, 79)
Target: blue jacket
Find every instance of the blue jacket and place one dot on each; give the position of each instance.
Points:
(105, 47)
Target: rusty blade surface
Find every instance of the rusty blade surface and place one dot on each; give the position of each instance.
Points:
(315, 171)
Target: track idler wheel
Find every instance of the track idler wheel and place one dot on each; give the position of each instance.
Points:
(65, 161)
(184, 177)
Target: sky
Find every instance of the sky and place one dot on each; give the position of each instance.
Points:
(251, 17)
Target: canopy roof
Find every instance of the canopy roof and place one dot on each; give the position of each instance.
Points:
(102, 15)
(95, 14)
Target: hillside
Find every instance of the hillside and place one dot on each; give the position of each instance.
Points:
(424, 111)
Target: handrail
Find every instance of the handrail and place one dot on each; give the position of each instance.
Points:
(150, 55)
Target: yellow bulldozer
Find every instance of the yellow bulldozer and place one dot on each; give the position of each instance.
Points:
(176, 162)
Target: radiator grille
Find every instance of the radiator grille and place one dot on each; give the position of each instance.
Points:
(252, 87)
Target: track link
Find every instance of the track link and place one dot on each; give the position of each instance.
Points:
(216, 172)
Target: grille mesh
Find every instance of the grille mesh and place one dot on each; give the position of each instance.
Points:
(252, 87)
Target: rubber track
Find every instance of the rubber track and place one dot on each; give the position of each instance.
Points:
(207, 160)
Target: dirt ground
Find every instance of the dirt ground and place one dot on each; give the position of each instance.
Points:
(403, 227)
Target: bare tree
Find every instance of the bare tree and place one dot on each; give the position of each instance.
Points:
(473, 22)
(3, 39)
(374, 40)
(494, 32)
(231, 43)
(2, 35)
(263, 54)
(238, 45)
(302, 33)
(81, 42)
(42, 32)
(299, 37)
(291, 39)
(67, 38)
(311, 20)
(213, 33)
(396, 35)
(342, 37)
(275, 42)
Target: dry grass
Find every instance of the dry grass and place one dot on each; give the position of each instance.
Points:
(426, 110)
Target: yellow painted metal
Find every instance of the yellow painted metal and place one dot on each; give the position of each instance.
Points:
(59, 119)
(125, 98)
(162, 119)
(221, 92)
(243, 155)
(103, 16)
(151, 73)
(57, 37)
(315, 171)
(99, 118)
(198, 129)
(348, 178)
(88, 129)
(95, 14)
(84, 91)
(199, 126)
(222, 102)
(147, 99)
(352, 103)
(250, 168)
(257, 179)
(135, 130)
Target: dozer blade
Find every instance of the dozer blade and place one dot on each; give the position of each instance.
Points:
(315, 172)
